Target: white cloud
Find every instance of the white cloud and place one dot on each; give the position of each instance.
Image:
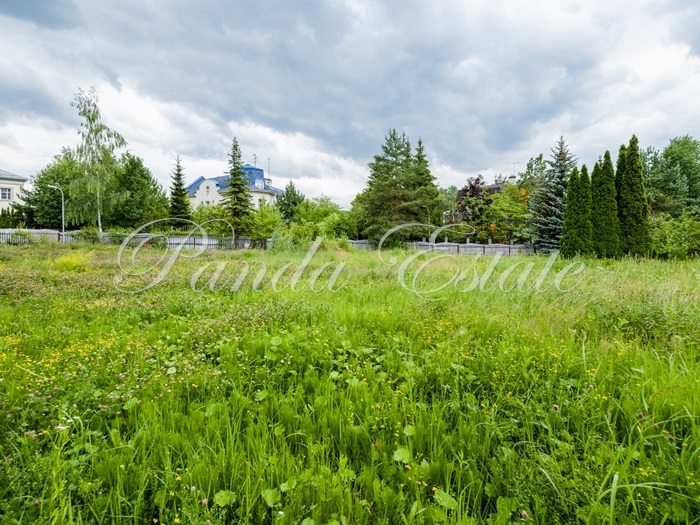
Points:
(484, 83)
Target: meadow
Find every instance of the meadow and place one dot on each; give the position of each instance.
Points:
(365, 405)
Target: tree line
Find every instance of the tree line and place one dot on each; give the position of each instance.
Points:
(647, 202)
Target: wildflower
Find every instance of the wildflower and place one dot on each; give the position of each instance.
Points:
(524, 514)
(205, 501)
(37, 502)
(193, 488)
(640, 414)
(556, 407)
(591, 387)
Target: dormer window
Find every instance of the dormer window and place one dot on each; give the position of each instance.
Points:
(207, 190)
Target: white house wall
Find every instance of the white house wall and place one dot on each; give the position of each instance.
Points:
(14, 186)
(208, 194)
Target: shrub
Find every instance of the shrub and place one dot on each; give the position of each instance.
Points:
(675, 238)
(74, 262)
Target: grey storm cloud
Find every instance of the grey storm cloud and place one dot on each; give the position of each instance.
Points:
(474, 81)
(43, 13)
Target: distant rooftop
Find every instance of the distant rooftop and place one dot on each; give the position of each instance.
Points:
(255, 176)
(11, 176)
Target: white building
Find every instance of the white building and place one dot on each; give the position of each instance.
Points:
(209, 191)
(10, 185)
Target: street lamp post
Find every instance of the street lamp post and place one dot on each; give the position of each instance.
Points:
(63, 213)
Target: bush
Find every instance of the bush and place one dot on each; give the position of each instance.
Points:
(74, 262)
(675, 238)
(88, 235)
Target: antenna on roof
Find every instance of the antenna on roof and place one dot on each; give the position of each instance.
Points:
(268, 167)
(255, 160)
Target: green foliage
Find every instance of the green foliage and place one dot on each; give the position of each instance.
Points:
(683, 156)
(96, 165)
(289, 201)
(10, 218)
(179, 201)
(666, 185)
(604, 218)
(214, 218)
(507, 215)
(675, 238)
(448, 205)
(576, 231)
(400, 189)
(672, 177)
(303, 407)
(142, 199)
(548, 201)
(633, 209)
(266, 220)
(534, 174)
(42, 205)
(237, 198)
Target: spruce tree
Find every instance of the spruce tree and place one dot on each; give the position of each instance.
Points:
(635, 238)
(289, 201)
(548, 201)
(422, 197)
(604, 221)
(237, 198)
(179, 201)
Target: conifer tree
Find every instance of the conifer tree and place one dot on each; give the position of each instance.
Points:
(635, 238)
(604, 220)
(179, 201)
(586, 206)
(548, 202)
(576, 229)
(237, 198)
(619, 170)
(289, 201)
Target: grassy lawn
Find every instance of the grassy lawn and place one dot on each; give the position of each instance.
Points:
(369, 404)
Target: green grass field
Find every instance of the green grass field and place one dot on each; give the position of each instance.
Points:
(367, 405)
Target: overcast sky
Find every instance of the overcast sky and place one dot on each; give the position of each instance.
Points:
(315, 85)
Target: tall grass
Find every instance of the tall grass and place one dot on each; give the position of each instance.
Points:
(366, 405)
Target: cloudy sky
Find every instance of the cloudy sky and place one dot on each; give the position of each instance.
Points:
(314, 85)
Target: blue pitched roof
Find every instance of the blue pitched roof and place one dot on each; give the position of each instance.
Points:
(255, 176)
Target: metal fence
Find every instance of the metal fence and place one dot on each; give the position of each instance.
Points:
(457, 248)
(474, 249)
(187, 242)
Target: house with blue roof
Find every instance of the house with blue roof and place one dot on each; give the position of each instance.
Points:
(209, 191)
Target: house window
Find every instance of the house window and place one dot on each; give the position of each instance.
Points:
(5, 194)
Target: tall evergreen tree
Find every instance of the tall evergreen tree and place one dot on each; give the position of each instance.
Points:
(422, 194)
(619, 171)
(587, 205)
(604, 220)
(548, 202)
(289, 201)
(179, 201)
(635, 238)
(576, 229)
(237, 198)
(380, 203)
